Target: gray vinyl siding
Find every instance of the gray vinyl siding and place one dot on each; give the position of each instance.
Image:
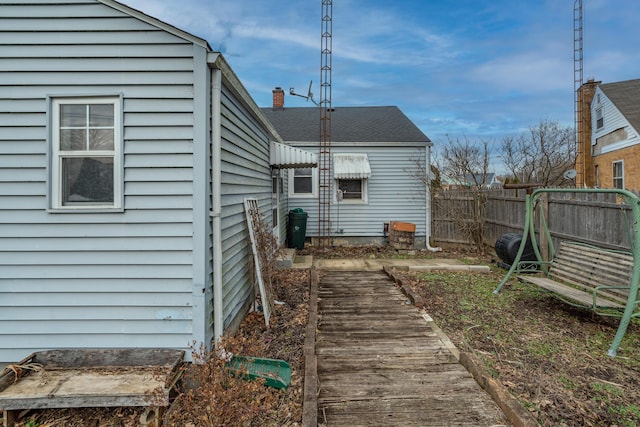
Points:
(393, 194)
(245, 173)
(95, 279)
(613, 120)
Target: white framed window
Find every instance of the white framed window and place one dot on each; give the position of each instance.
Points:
(351, 174)
(303, 182)
(353, 190)
(618, 174)
(599, 118)
(86, 153)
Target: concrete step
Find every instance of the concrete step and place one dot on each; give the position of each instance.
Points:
(289, 259)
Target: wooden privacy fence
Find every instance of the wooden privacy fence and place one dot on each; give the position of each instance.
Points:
(597, 219)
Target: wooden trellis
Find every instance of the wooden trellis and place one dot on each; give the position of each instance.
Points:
(253, 224)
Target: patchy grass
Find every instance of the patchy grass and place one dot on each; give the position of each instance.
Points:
(551, 356)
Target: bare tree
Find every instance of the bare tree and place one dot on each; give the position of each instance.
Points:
(540, 155)
(467, 163)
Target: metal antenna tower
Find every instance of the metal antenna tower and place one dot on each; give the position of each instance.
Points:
(578, 93)
(324, 161)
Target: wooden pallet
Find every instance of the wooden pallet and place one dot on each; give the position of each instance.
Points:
(81, 378)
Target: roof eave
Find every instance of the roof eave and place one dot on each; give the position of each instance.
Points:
(156, 22)
(364, 143)
(217, 61)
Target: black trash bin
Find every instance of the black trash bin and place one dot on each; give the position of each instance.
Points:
(297, 228)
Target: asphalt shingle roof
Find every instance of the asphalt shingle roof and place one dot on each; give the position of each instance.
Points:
(348, 124)
(626, 97)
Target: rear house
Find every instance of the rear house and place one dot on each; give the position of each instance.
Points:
(378, 163)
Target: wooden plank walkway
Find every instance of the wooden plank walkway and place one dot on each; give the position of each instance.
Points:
(381, 362)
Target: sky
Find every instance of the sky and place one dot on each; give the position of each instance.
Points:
(473, 69)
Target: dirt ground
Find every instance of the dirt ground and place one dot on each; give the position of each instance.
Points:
(551, 357)
(209, 396)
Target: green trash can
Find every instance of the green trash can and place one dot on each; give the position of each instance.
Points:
(297, 228)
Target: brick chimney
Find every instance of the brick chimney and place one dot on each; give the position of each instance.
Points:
(584, 160)
(278, 98)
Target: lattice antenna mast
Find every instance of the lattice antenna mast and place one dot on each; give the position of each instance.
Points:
(324, 161)
(578, 94)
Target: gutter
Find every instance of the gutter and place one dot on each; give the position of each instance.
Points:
(216, 203)
(427, 198)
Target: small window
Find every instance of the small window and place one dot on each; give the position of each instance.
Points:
(618, 175)
(353, 190)
(274, 217)
(302, 182)
(599, 118)
(85, 153)
(597, 173)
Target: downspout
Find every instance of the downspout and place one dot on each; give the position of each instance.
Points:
(427, 196)
(216, 203)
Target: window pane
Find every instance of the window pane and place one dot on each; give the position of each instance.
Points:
(87, 180)
(101, 115)
(302, 172)
(302, 185)
(73, 115)
(73, 139)
(599, 118)
(351, 188)
(618, 175)
(101, 139)
(617, 170)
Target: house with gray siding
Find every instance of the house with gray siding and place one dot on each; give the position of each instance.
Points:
(127, 147)
(378, 161)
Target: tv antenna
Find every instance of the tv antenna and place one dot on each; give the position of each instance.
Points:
(324, 150)
(578, 92)
(308, 96)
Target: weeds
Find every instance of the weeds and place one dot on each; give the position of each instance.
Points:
(551, 356)
(211, 396)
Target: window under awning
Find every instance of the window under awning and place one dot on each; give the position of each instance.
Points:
(351, 166)
(284, 156)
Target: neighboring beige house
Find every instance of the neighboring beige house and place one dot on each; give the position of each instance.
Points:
(609, 143)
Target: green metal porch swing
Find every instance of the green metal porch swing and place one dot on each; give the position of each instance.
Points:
(634, 239)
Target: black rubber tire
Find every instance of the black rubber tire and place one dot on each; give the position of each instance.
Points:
(507, 247)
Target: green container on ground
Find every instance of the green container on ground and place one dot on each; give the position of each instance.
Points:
(297, 228)
(275, 372)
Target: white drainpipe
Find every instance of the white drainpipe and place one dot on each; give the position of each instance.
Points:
(216, 205)
(427, 169)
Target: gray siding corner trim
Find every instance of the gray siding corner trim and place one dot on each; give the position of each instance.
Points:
(202, 255)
